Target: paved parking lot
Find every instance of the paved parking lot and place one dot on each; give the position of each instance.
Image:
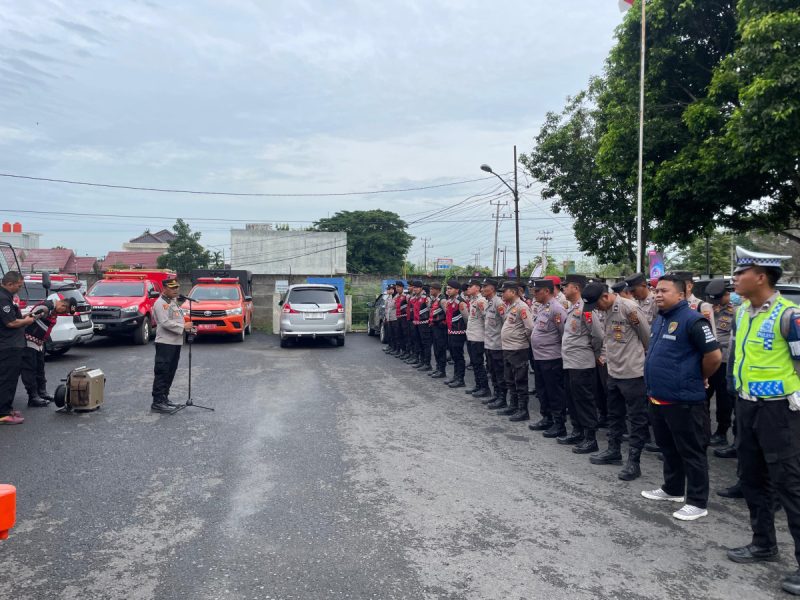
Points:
(336, 473)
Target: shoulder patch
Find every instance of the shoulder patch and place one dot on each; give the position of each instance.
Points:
(633, 318)
(588, 316)
(523, 314)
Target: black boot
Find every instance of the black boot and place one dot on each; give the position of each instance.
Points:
(35, 402)
(720, 437)
(438, 375)
(483, 393)
(631, 469)
(42, 393)
(498, 402)
(588, 445)
(543, 424)
(522, 411)
(457, 383)
(576, 437)
(555, 430)
(425, 369)
(472, 390)
(610, 456)
(725, 452)
(510, 408)
(735, 491)
(652, 447)
(449, 381)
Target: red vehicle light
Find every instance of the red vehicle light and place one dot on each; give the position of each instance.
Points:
(287, 309)
(338, 310)
(217, 280)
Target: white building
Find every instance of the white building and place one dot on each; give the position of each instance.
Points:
(262, 250)
(13, 234)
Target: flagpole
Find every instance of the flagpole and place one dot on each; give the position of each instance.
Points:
(639, 241)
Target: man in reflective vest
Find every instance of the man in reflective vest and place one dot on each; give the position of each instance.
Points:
(765, 359)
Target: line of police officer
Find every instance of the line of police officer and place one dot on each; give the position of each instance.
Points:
(590, 345)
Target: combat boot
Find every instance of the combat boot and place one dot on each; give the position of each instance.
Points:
(542, 424)
(425, 369)
(610, 456)
(438, 375)
(576, 437)
(589, 443)
(472, 390)
(631, 469)
(457, 383)
(35, 401)
(522, 411)
(483, 393)
(42, 393)
(498, 402)
(510, 408)
(556, 430)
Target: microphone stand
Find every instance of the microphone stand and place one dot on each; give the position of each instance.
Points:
(190, 340)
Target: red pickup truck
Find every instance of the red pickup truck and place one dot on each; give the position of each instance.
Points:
(122, 302)
(222, 303)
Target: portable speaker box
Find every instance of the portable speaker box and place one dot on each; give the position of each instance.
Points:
(84, 389)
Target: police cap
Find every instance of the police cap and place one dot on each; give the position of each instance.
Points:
(544, 284)
(619, 286)
(592, 293)
(635, 279)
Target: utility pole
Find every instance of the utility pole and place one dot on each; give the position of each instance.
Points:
(545, 237)
(505, 250)
(497, 218)
(425, 246)
(477, 259)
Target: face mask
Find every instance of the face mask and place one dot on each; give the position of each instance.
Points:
(736, 299)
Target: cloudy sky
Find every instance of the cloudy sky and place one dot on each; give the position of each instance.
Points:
(286, 97)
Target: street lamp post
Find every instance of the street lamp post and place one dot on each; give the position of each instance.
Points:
(515, 192)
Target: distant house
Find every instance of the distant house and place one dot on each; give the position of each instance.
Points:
(53, 260)
(150, 242)
(86, 264)
(138, 260)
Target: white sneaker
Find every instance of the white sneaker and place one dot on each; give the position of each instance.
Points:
(660, 494)
(690, 513)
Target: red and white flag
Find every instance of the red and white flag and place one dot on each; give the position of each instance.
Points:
(624, 5)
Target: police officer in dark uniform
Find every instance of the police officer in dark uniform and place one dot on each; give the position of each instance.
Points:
(438, 327)
(456, 317)
(12, 346)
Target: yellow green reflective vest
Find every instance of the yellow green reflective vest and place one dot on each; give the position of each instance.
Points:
(762, 366)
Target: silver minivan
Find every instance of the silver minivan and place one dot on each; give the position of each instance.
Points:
(312, 310)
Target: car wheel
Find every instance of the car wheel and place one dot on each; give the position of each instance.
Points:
(383, 333)
(240, 336)
(370, 331)
(249, 329)
(284, 343)
(340, 341)
(142, 334)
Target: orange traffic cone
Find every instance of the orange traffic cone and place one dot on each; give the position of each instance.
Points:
(8, 509)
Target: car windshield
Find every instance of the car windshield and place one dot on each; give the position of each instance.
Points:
(215, 293)
(117, 289)
(313, 296)
(72, 294)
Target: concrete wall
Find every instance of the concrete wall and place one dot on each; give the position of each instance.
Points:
(283, 252)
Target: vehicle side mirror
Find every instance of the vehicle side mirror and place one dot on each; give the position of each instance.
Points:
(280, 303)
(46, 281)
(153, 294)
(248, 298)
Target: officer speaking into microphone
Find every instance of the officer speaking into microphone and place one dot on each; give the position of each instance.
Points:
(170, 328)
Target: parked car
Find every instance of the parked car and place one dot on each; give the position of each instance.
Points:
(69, 330)
(221, 305)
(376, 318)
(122, 303)
(312, 310)
(790, 291)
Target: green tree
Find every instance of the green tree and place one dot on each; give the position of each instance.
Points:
(185, 252)
(377, 240)
(564, 160)
(692, 256)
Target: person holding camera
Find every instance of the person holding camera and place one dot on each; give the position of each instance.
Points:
(36, 334)
(170, 328)
(12, 346)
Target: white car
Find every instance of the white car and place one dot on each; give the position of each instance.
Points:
(69, 330)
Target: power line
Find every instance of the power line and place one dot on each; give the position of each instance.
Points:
(246, 194)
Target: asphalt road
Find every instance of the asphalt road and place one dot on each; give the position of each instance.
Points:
(336, 473)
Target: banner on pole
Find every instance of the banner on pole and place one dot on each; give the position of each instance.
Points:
(656, 264)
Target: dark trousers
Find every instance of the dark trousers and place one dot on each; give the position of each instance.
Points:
(601, 389)
(496, 369)
(416, 342)
(549, 375)
(387, 333)
(579, 385)
(718, 386)
(455, 343)
(477, 358)
(167, 358)
(11, 361)
(397, 335)
(679, 431)
(515, 370)
(405, 328)
(768, 443)
(439, 338)
(628, 395)
(33, 371)
(424, 337)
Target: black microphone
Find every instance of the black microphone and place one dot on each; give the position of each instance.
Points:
(183, 298)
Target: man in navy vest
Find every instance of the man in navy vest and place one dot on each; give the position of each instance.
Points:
(683, 353)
